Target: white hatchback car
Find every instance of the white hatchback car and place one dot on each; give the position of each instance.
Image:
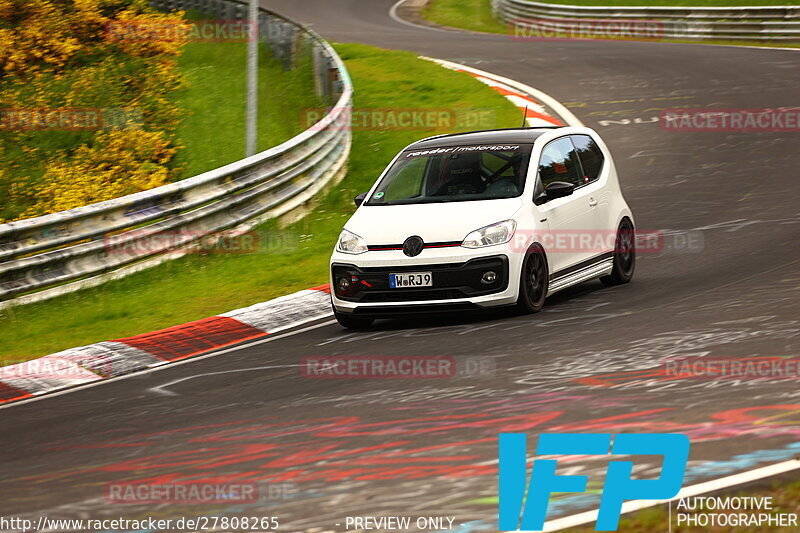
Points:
(483, 219)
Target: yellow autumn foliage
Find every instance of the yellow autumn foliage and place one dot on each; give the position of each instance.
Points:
(88, 55)
(44, 40)
(120, 162)
(130, 28)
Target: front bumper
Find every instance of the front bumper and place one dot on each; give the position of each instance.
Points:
(457, 284)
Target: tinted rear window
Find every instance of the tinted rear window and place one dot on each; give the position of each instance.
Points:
(590, 155)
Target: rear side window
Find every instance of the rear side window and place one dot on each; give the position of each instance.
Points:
(590, 155)
(559, 162)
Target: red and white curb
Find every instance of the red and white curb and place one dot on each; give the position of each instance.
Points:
(535, 113)
(108, 359)
(540, 108)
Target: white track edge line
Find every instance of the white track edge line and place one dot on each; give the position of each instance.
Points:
(269, 337)
(560, 109)
(692, 490)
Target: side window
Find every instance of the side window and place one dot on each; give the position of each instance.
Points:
(590, 155)
(406, 184)
(560, 163)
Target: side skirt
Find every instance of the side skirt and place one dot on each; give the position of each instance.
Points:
(592, 268)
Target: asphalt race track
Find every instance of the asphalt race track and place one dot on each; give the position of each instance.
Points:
(591, 361)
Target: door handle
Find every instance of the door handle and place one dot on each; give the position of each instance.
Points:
(592, 202)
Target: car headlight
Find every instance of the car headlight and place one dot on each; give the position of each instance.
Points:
(495, 234)
(350, 243)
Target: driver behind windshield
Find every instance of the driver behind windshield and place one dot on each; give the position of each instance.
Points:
(452, 174)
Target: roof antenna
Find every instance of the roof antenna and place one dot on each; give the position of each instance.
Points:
(525, 117)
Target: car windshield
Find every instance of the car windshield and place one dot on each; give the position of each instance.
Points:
(454, 174)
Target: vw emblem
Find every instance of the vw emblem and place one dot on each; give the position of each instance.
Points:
(413, 246)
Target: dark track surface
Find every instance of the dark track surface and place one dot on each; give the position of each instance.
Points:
(737, 296)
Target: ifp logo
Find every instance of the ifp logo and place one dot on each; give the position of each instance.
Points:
(618, 484)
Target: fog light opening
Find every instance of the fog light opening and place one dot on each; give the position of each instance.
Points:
(489, 277)
(343, 284)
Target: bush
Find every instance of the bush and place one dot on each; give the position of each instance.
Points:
(119, 163)
(63, 55)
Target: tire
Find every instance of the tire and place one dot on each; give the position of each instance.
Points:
(533, 283)
(624, 255)
(352, 322)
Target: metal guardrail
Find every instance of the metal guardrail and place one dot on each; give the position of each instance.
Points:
(763, 23)
(53, 250)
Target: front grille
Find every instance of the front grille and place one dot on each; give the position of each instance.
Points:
(410, 310)
(411, 295)
(384, 247)
(450, 281)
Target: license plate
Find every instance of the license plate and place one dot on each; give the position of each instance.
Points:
(409, 280)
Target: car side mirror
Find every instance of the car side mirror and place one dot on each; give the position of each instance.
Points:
(559, 189)
(360, 199)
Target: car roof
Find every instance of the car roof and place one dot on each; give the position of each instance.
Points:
(499, 136)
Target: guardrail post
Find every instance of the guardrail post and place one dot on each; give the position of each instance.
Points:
(252, 82)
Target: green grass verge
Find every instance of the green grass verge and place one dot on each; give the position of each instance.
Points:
(212, 133)
(785, 499)
(476, 15)
(293, 258)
